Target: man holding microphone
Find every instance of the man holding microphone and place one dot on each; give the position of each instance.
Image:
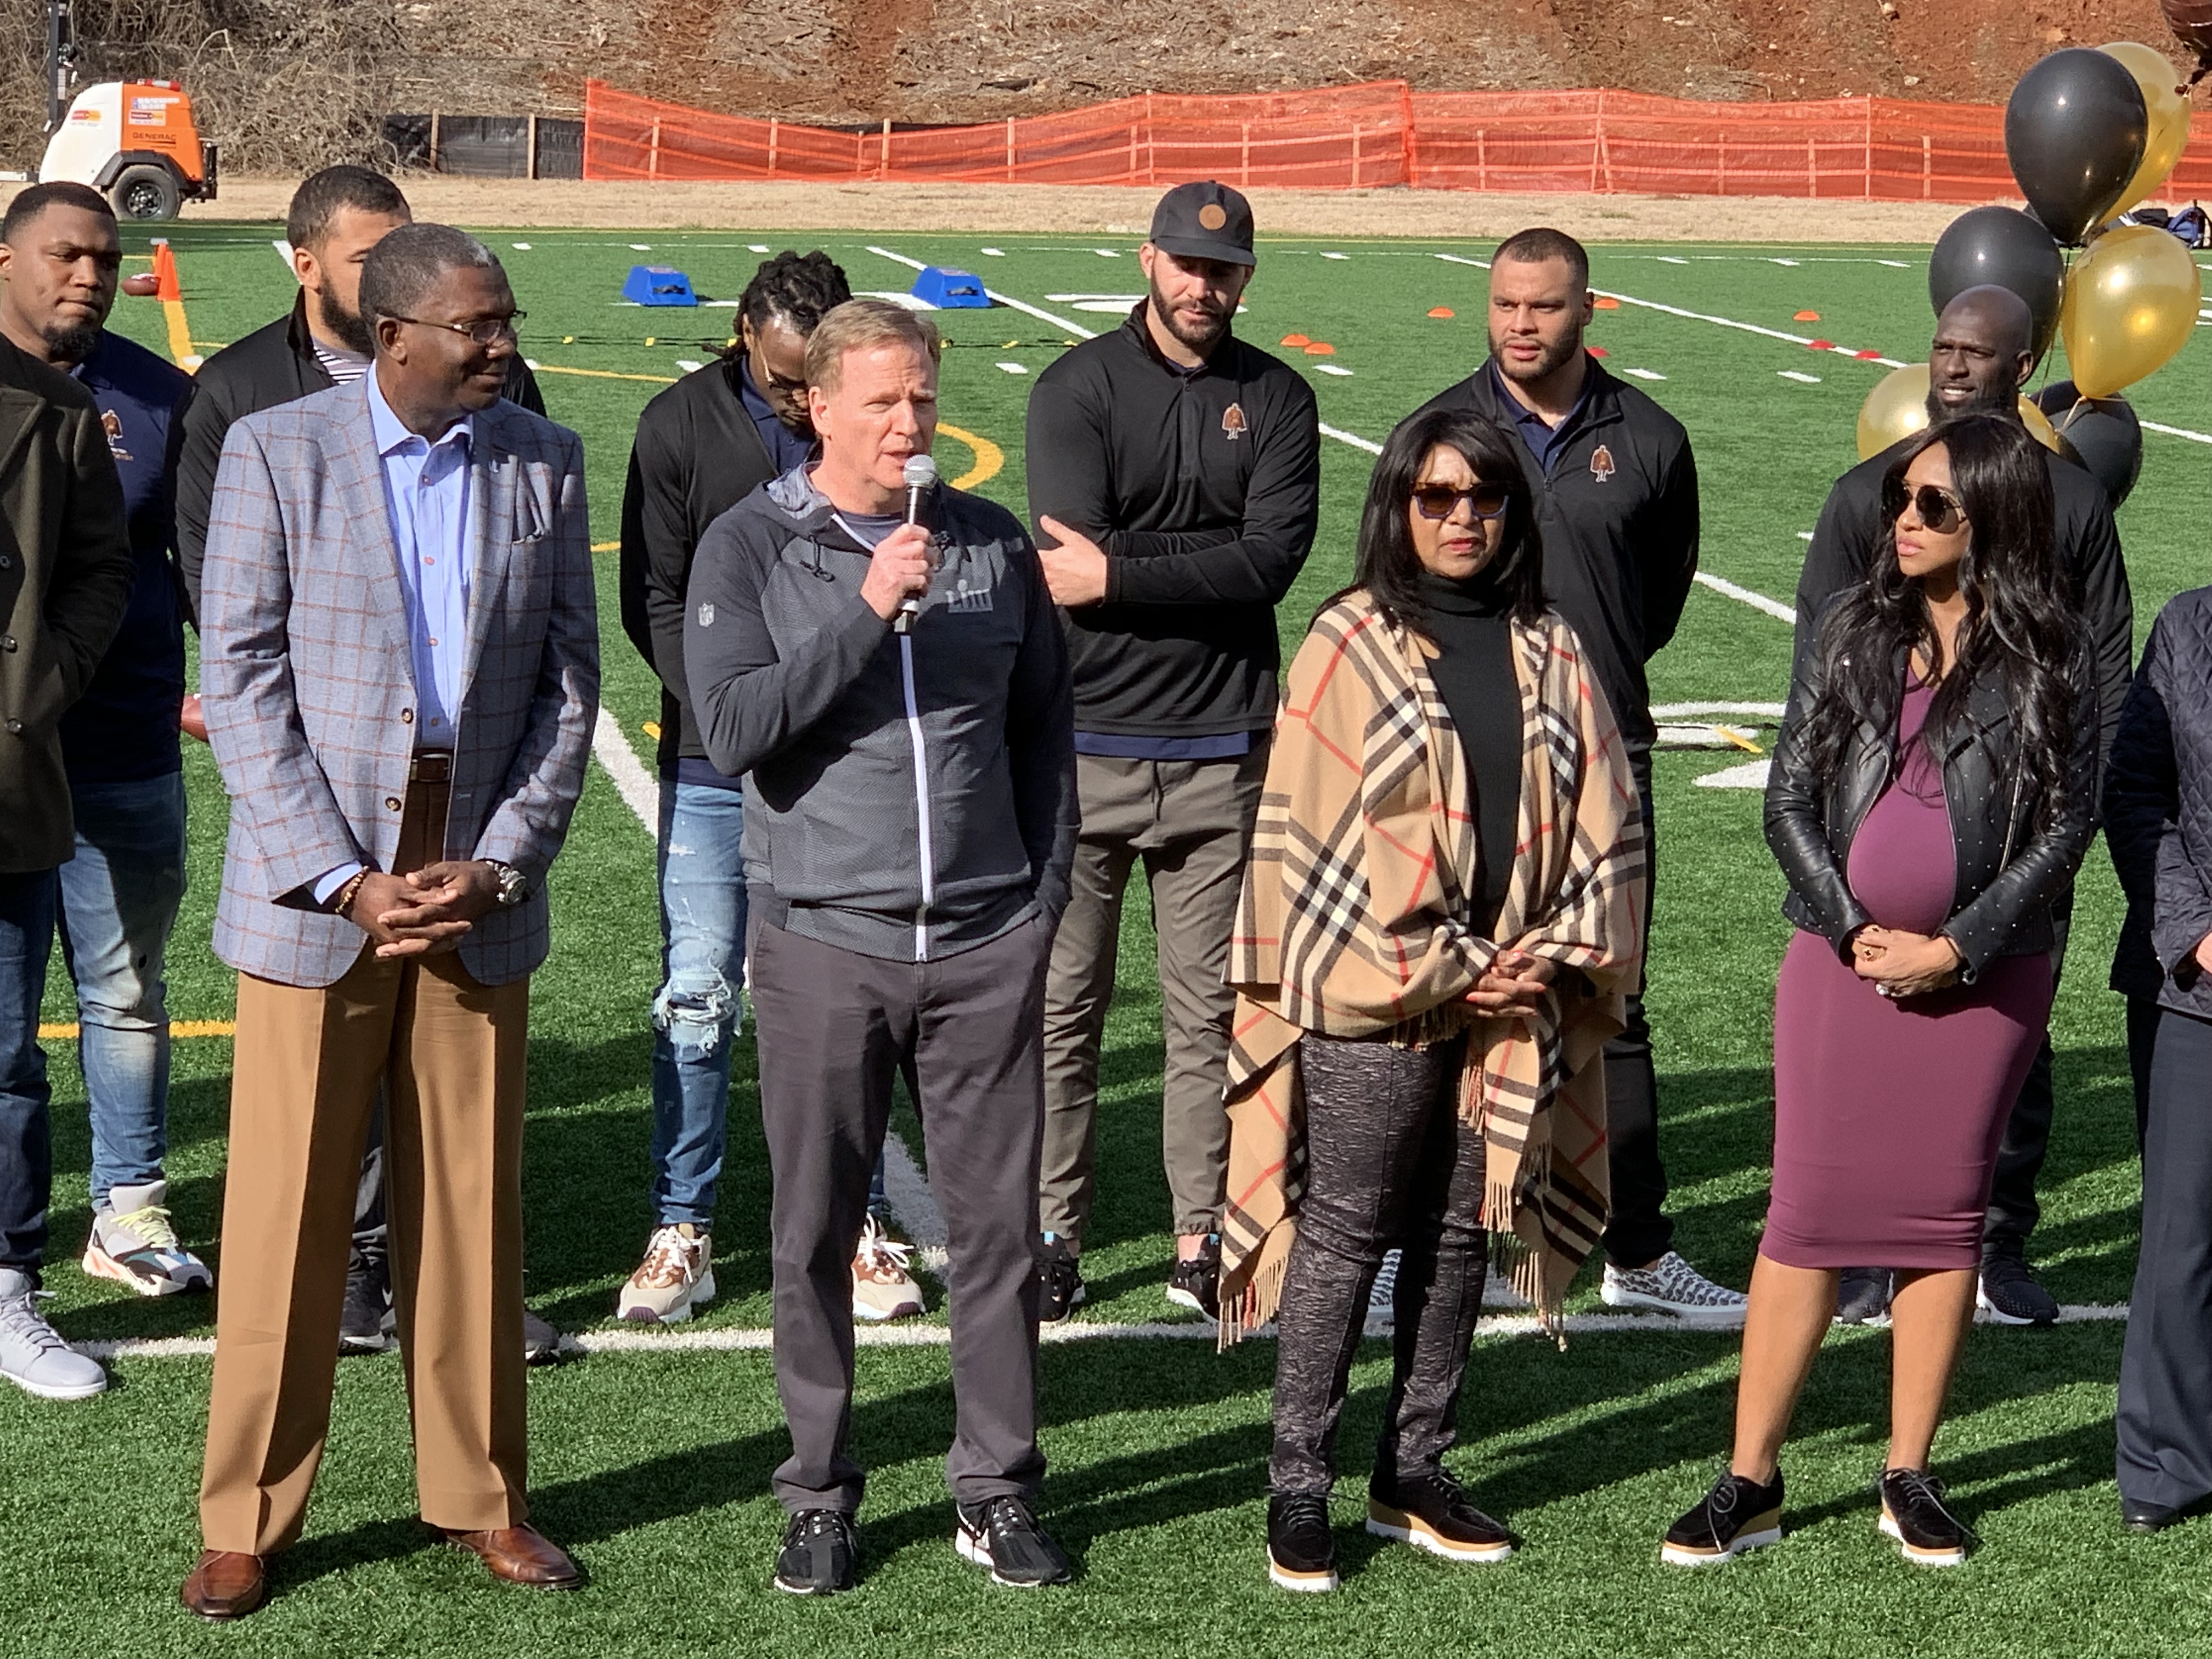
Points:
(909, 824)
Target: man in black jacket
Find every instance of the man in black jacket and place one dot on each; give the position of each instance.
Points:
(1178, 471)
(1983, 351)
(335, 217)
(703, 447)
(1616, 490)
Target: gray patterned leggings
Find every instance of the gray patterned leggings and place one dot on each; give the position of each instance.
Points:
(1388, 1163)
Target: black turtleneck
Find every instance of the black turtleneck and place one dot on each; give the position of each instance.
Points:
(1471, 623)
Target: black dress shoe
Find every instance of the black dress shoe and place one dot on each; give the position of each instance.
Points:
(2138, 1516)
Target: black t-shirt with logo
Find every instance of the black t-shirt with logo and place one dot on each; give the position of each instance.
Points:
(1204, 487)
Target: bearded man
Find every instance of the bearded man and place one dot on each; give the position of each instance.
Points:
(1175, 476)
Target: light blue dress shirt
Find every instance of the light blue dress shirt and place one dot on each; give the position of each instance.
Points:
(426, 493)
(426, 496)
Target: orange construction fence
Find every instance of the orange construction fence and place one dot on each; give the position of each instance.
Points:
(1379, 133)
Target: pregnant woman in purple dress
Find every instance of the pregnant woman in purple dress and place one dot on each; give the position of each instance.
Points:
(1933, 789)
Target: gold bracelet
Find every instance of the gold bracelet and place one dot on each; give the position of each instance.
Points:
(348, 893)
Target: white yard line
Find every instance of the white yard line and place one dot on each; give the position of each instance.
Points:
(753, 1338)
(1684, 711)
(1773, 608)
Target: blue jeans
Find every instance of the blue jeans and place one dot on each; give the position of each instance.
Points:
(27, 1156)
(698, 1011)
(118, 900)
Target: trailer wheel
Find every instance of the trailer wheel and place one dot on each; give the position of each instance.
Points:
(146, 192)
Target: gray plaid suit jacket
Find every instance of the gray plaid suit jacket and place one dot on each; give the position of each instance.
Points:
(309, 687)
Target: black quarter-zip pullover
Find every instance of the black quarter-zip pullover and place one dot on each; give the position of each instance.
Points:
(1618, 511)
(1204, 489)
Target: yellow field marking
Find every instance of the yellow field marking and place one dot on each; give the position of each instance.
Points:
(989, 458)
(606, 547)
(178, 1028)
(180, 336)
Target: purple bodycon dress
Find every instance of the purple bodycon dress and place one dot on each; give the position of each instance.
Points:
(1887, 1115)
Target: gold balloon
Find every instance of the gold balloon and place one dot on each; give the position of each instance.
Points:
(2169, 119)
(2130, 303)
(1898, 407)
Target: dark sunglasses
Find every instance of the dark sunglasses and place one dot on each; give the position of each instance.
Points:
(1939, 509)
(1484, 500)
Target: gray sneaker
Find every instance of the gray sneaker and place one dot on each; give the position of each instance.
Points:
(133, 1243)
(33, 1355)
(1672, 1286)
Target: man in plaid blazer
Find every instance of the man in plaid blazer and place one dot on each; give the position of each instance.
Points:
(400, 672)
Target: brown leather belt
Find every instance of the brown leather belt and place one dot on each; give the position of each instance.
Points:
(431, 766)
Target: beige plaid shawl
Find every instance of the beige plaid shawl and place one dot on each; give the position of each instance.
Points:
(1354, 924)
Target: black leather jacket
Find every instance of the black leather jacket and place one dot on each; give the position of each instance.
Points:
(2008, 871)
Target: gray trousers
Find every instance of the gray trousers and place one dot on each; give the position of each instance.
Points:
(1190, 823)
(2165, 1453)
(833, 1028)
(1389, 1162)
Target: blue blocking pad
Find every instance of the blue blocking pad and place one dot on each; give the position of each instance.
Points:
(950, 290)
(658, 285)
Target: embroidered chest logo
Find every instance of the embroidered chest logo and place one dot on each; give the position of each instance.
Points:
(1232, 422)
(707, 613)
(968, 601)
(112, 424)
(1601, 464)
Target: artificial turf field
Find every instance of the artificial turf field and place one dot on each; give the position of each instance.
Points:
(654, 1465)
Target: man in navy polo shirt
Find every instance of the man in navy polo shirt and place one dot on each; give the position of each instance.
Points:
(59, 256)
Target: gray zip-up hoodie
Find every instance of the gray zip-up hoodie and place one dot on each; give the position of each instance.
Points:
(909, 796)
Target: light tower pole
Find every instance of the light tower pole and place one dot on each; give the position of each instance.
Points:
(61, 59)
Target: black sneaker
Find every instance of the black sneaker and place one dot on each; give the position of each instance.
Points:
(1196, 1283)
(1002, 1534)
(1735, 1516)
(1862, 1295)
(541, 1342)
(2010, 1294)
(821, 1554)
(1301, 1547)
(1913, 1513)
(366, 1324)
(1430, 1512)
(1059, 1282)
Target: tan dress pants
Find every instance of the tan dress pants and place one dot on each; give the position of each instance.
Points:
(308, 1062)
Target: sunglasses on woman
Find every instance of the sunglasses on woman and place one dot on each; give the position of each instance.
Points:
(1939, 509)
(1484, 500)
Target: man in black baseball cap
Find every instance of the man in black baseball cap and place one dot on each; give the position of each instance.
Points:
(1174, 474)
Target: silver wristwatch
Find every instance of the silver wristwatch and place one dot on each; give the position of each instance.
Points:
(514, 886)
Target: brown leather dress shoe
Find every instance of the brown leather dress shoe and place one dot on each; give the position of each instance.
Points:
(520, 1555)
(226, 1584)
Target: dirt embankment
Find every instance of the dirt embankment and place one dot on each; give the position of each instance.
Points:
(983, 60)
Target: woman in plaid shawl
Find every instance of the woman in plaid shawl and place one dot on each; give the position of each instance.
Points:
(1440, 917)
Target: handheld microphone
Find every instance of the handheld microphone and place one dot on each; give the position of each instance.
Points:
(920, 476)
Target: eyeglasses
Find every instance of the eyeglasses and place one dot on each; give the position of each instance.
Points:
(1939, 509)
(1484, 500)
(485, 331)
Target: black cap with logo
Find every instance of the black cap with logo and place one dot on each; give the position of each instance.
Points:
(1204, 221)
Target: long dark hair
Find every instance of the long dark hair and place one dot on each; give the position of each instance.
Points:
(2019, 628)
(1388, 568)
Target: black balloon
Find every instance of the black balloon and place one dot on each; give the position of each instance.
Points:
(2102, 434)
(2004, 247)
(2075, 130)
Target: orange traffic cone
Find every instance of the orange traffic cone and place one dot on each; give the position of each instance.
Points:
(165, 274)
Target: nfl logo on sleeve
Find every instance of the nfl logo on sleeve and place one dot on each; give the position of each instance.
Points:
(706, 613)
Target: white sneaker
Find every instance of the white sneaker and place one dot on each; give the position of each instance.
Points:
(677, 1275)
(884, 1286)
(33, 1355)
(133, 1243)
(1672, 1286)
